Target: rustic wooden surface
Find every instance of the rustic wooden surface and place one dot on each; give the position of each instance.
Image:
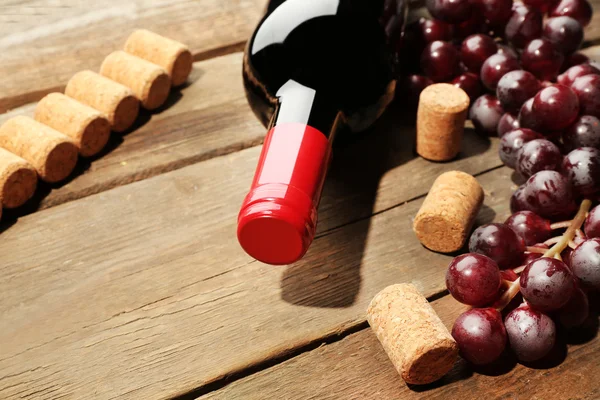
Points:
(133, 285)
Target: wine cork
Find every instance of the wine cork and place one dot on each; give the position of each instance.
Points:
(446, 217)
(86, 126)
(440, 121)
(149, 82)
(117, 102)
(52, 154)
(412, 335)
(18, 180)
(174, 57)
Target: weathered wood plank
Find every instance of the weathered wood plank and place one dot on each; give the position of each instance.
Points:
(142, 291)
(356, 367)
(42, 44)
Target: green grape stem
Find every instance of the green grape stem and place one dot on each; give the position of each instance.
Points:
(554, 252)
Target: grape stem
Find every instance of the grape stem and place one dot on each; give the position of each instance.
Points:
(579, 233)
(533, 249)
(552, 241)
(561, 225)
(554, 252)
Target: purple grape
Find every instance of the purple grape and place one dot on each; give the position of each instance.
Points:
(498, 242)
(547, 284)
(485, 113)
(470, 83)
(512, 142)
(480, 335)
(576, 311)
(550, 195)
(528, 118)
(451, 11)
(530, 227)
(542, 58)
(565, 32)
(439, 61)
(473, 279)
(515, 88)
(581, 10)
(494, 68)
(585, 132)
(531, 334)
(568, 77)
(582, 167)
(587, 88)
(557, 106)
(592, 223)
(524, 25)
(509, 122)
(585, 263)
(475, 50)
(538, 155)
(517, 200)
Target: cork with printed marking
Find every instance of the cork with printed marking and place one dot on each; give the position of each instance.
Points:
(440, 121)
(174, 57)
(18, 180)
(52, 154)
(88, 127)
(446, 217)
(411, 333)
(149, 82)
(117, 102)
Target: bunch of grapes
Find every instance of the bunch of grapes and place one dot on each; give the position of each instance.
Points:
(552, 275)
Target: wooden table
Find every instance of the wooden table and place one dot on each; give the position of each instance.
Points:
(128, 282)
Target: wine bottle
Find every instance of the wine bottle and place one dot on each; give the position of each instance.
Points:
(311, 68)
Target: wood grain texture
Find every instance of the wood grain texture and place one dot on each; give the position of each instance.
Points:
(356, 367)
(143, 292)
(44, 43)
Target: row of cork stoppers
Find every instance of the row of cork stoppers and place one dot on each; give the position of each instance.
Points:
(80, 121)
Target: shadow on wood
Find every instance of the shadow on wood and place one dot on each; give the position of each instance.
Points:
(330, 278)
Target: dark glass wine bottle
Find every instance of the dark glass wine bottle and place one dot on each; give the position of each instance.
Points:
(310, 68)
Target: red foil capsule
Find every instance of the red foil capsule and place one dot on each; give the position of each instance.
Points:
(278, 218)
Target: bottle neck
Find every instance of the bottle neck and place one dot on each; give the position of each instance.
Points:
(300, 104)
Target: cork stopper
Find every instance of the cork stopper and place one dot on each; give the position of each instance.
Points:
(117, 102)
(412, 335)
(52, 154)
(18, 180)
(88, 127)
(174, 57)
(440, 121)
(149, 82)
(446, 217)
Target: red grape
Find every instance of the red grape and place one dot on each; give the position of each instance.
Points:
(475, 50)
(528, 118)
(581, 10)
(574, 59)
(485, 114)
(582, 167)
(439, 61)
(495, 67)
(576, 311)
(412, 86)
(475, 24)
(497, 12)
(540, 5)
(547, 284)
(508, 122)
(585, 132)
(531, 334)
(568, 77)
(507, 51)
(518, 201)
(585, 263)
(480, 335)
(498, 242)
(524, 25)
(512, 142)
(549, 194)
(565, 32)
(509, 275)
(530, 226)
(451, 11)
(587, 88)
(473, 279)
(557, 106)
(538, 155)
(433, 29)
(515, 88)
(470, 83)
(542, 58)
(592, 223)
